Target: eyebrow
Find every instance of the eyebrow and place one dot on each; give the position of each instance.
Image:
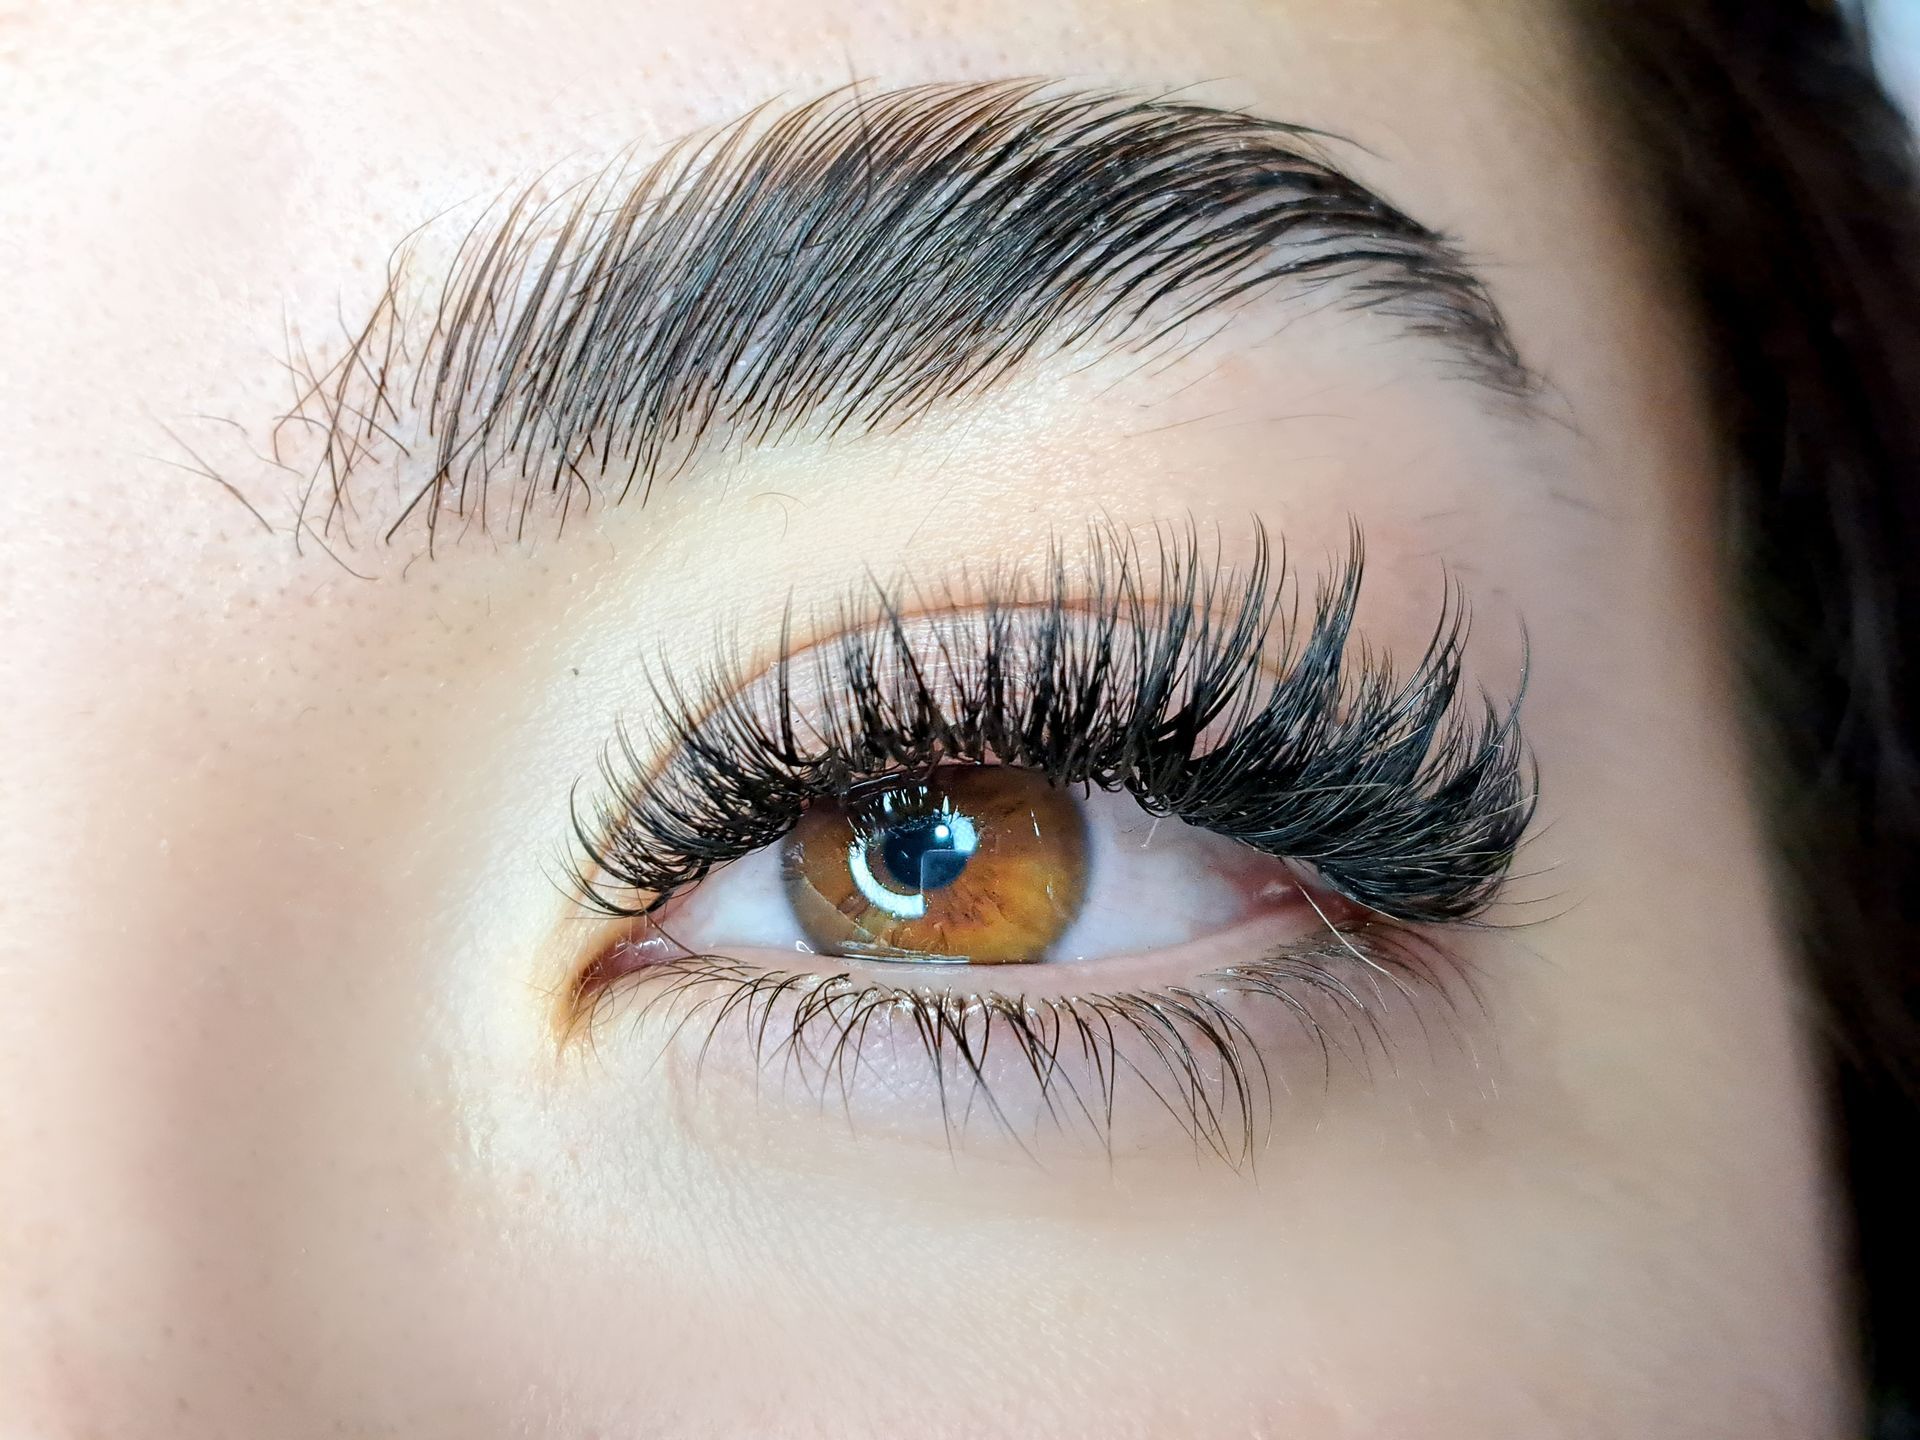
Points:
(850, 265)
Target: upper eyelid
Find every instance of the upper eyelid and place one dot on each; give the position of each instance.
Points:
(584, 341)
(1454, 817)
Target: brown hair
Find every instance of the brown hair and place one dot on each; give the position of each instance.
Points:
(1787, 183)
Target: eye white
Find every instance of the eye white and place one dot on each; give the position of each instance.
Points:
(740, 906)
(1152, 882)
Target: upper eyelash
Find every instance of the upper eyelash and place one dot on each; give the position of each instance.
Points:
(1157, 677)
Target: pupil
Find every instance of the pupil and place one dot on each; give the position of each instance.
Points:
(927, 853)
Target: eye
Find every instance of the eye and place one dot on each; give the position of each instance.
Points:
(1076, 854)
(989, 865)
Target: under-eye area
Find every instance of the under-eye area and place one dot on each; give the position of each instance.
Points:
(1138, 837)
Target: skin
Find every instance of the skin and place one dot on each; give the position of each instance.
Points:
(293, 1149)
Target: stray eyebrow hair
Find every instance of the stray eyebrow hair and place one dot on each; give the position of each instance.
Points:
(851, 264)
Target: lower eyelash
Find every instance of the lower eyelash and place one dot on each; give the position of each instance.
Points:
(1192, 1051)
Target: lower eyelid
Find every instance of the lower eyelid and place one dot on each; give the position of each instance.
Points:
(1215, 1063)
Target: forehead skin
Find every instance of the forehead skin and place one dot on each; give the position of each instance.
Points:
(285, 1153)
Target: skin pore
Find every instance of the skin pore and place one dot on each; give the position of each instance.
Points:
(305, 1146)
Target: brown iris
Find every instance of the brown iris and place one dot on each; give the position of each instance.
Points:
(978, 863)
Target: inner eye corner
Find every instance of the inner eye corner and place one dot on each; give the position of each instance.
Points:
(581, 974)
(599, 942)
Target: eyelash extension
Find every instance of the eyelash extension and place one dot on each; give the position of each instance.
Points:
(1190, 1052)
(1157, 676)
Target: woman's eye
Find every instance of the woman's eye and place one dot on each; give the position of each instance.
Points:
(1094, 873)
(985, 865)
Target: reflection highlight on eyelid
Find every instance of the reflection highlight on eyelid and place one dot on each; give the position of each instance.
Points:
(1178, 828)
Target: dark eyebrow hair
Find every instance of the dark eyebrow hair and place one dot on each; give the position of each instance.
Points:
(851, 264)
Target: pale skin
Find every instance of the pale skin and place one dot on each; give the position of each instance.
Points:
(293, 1148)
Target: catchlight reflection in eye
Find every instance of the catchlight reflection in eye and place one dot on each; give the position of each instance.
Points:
(984, 865)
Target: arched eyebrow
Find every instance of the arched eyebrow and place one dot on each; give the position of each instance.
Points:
(856, 261)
